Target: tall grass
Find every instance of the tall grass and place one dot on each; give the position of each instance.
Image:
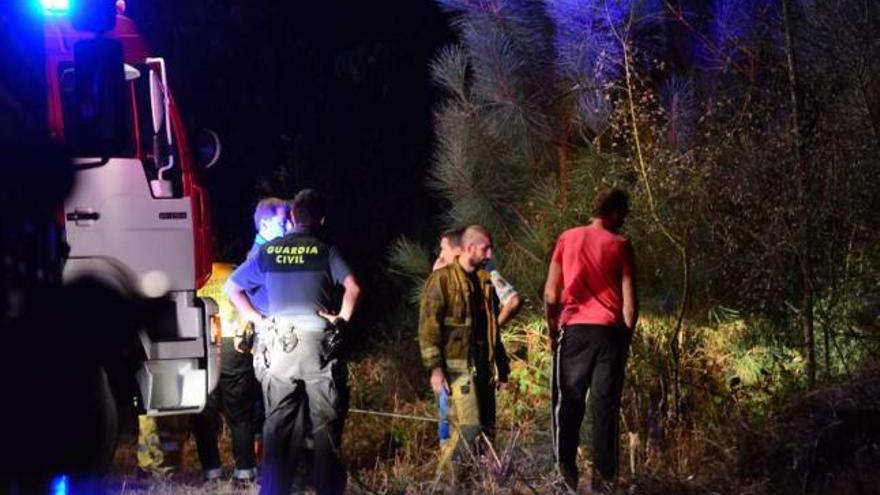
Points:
(743, 427)
(730, 381)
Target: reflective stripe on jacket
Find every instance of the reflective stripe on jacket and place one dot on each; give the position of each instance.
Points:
(445, 322)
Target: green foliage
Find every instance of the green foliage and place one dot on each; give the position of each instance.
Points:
(412, 261)
(848, 320)
(531, 361)
(726, 366)
(756, 375)
(753, 199)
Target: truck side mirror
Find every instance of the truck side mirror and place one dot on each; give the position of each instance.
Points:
(97, 16)
(98, 125)
(157, 101)
(207, 148)
(161, 120)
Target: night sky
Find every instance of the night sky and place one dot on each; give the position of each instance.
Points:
(331, 95)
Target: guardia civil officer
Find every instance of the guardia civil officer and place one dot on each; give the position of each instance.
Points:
(304, 385)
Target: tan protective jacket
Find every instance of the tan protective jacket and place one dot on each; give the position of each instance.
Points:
(446, 323)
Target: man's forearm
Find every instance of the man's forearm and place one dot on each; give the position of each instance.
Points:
(432, 309)
(551, 314)
(430, 341)
(509, 310)
(241, 302)
(349, 302)
(630, 301)
(629, 292)
(552, 299)
(349, 297)
(630, 317)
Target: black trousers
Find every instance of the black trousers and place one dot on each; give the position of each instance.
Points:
(588, 357)
(234, 397)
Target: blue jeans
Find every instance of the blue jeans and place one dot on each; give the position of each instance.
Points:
(443, 431)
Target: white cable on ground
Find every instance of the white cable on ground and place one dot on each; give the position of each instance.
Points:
(394, 415)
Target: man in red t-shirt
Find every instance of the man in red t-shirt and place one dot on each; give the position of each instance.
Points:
(591, 309)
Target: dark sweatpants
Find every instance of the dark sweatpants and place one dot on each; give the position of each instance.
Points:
(234, 396)
(588, 357)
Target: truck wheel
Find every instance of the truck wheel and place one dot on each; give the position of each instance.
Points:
(105, 447)
(99, 423)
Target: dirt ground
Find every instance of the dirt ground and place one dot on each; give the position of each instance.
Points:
(185, 476)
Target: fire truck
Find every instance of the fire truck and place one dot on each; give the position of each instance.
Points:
(105, 237)
(137, 218)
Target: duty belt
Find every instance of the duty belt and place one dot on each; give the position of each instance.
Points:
(302, 323)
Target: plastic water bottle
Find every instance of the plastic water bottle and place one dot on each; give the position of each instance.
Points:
(502, 287)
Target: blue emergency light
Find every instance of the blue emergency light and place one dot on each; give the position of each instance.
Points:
(55, 7)
(96, 16)
(60, 485)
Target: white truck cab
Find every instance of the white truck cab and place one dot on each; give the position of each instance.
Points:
(137, 218)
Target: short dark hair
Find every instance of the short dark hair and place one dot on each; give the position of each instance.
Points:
(268, 207)
(609, 201)
(453, 236)
(308, 208)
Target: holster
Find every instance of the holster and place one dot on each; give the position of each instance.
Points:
(335, 342)
(246, 335)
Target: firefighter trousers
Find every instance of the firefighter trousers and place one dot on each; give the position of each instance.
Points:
(306, 399)
(234, 396)
(471, 412)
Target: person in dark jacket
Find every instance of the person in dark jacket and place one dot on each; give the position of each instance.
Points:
(304, 381)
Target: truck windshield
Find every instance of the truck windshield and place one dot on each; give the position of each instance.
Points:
(95, 127)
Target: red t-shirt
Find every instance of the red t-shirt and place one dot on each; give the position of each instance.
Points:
(593, 261)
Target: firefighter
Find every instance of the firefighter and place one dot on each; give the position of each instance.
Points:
(236, 391)
(304, 381)
(461, 346)
(160, 444)
(508, 298)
